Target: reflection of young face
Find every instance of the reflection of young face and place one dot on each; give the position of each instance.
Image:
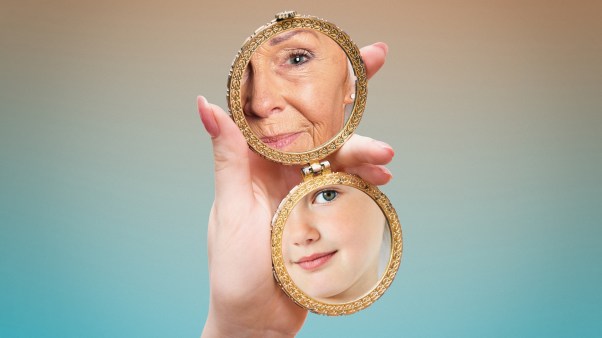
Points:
(295, 89)
(331, 244)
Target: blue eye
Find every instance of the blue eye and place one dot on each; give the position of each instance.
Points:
(298, 57)
(325, 196)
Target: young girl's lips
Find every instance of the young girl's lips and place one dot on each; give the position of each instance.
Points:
(280, 141)
(315, 261)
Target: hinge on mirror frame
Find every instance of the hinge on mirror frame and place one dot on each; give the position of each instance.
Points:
(315, 169)
(285, 15)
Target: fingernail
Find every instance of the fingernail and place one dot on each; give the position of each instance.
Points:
(382, 46)
(385, 146)
(387, 172)
(207, 116)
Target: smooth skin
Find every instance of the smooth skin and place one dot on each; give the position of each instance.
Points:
(338, 220)
(245, 300)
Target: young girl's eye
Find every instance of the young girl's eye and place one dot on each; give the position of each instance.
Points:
(325, 196)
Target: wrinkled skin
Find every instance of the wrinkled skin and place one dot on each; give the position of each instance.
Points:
(295, 89)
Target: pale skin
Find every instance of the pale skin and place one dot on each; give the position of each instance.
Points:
(331, 243)
(245, 301)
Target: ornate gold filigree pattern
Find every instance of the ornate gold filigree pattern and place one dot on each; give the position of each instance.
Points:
(241, 60)
(279, 221)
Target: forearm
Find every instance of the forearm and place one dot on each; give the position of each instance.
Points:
(216, 327)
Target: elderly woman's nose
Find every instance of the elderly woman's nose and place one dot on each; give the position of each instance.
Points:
(265, 95)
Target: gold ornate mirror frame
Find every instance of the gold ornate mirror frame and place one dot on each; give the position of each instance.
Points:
(316, 172)
(287, 21)
(282, 276)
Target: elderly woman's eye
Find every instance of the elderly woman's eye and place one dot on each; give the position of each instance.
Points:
(298, 57)
(325, 196)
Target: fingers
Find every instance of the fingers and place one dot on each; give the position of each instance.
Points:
(374, 57)
(230, 154)
(365, 157)
(361, 149)
(374, 174)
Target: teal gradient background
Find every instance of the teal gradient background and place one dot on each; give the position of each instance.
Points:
(494, 109)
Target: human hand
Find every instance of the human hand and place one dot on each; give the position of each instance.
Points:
(245, 300)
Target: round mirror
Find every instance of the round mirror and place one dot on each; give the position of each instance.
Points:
(336, 244)
(297, 89)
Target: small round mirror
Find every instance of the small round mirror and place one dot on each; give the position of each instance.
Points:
(297, 89)
(336, 244)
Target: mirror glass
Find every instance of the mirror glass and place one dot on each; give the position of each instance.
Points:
(298, 90)
(336, 244)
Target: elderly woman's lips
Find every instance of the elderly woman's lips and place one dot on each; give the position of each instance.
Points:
(280, 141)
(315, 261)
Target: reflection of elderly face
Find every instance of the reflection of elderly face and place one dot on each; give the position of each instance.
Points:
(295, 89)
(332, 242)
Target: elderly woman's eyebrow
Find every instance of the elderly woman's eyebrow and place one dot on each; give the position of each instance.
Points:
(286, 36)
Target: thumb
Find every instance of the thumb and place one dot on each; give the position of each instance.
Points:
(230, 154)
(374, 57)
